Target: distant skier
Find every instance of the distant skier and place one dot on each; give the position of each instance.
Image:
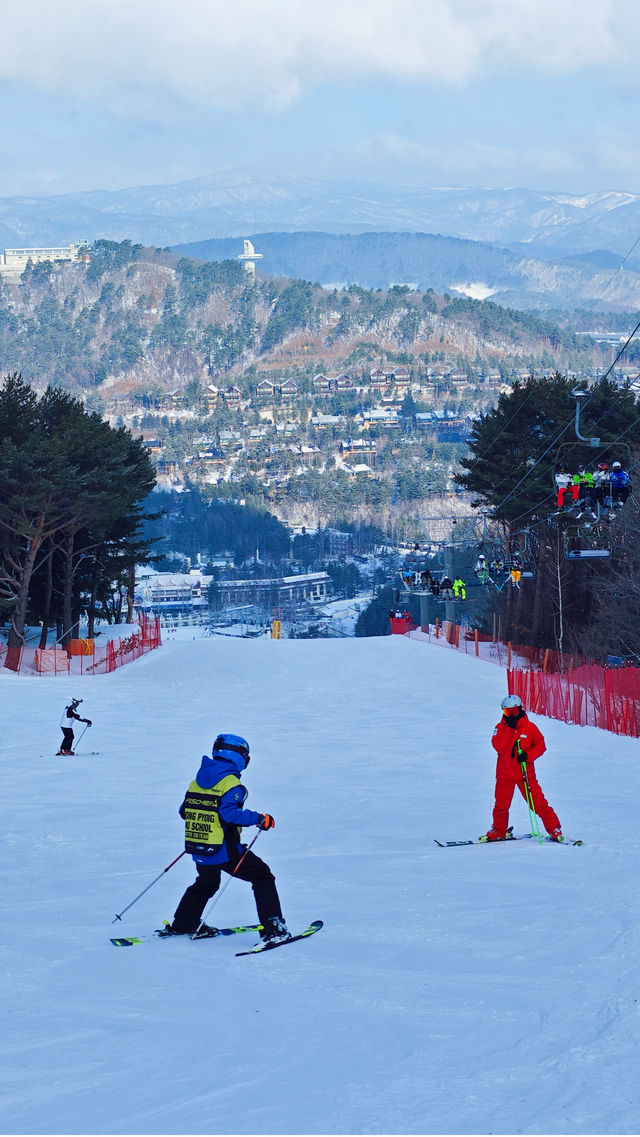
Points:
(583, 479)
(620, 485)
(602, 482)
(515, 571)
(446, 588)
(67, 720)
(565, 484)
(213, 815)
(515, 734)
(459, 589)
(481, 570)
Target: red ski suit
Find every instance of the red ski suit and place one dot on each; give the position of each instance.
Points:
(509, 774)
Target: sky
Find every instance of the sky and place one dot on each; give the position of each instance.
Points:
(470, 990)
(107, 94)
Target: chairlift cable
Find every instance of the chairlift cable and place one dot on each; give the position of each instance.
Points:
(554, 443)
(557, 438)
(619, 269)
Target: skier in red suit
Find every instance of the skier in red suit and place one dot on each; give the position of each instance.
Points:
(515, 728)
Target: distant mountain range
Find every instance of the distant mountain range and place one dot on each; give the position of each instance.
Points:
(446, 264)
(514, 231)
(234, 203)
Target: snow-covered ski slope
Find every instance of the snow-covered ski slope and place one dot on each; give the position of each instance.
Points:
(488, 989)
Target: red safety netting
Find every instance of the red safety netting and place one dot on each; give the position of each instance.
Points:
(591, 695)
(400, 625)
(552, 683)
(104, 659)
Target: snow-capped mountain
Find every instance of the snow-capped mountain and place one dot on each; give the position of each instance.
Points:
(235, 202)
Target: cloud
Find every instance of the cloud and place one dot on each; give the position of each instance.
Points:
(467, 162)
(134, 55)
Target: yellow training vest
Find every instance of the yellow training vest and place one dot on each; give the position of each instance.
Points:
(204, 834)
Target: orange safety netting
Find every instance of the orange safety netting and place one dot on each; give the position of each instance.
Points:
(51, 660)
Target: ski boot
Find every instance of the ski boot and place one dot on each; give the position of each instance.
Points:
(167, 930)
(493, 836)
(556, 835)
(204, 932)
(275, 931)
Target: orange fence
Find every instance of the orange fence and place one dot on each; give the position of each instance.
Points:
(81, 647)
(552, 683)
(83, 657)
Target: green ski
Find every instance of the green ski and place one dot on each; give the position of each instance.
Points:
(130, 941)
(313, 927)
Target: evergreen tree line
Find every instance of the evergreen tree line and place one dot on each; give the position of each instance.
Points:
(72, 492)
(191, 523)
(572, 605)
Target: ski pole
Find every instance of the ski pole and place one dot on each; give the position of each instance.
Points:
(80, 738)
(226, 885)
(118, 916)
(533, 817)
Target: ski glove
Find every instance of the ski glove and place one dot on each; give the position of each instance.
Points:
(88, 721)
(266, 821)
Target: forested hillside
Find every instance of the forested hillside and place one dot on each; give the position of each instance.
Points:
(146, 321)
(520, 279)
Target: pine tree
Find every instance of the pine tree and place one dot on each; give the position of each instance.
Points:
(515, 450)
(66, 478)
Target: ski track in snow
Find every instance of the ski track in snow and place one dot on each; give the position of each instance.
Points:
(466, 990)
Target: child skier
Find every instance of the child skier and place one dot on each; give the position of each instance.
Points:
(66, 725)
(516, 737)
(213, 814)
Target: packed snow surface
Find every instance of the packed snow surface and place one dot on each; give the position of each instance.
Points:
(483, 989)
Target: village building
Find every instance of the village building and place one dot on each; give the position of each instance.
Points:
(211, 394)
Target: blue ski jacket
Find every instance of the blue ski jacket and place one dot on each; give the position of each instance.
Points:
(619, 478)
(230, 811)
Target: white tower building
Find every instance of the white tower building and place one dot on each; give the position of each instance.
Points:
(249, 258)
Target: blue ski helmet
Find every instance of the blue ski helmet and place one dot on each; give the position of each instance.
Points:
(226, 744)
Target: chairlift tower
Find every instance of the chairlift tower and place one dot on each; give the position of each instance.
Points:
(249, 258)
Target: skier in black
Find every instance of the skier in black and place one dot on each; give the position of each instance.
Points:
(446, 588)
(213, 815)
(66, 724)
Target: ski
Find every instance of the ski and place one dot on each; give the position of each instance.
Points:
(504, 840)
(451, 844)
(565, 840)
(130, 941)
(315, 926)
(78, 754)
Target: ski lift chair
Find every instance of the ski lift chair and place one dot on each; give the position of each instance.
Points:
(586, 542)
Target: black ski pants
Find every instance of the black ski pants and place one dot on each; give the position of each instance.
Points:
(67, 738)
(189, 911)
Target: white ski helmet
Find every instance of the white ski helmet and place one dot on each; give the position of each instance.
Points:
(511, 701)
